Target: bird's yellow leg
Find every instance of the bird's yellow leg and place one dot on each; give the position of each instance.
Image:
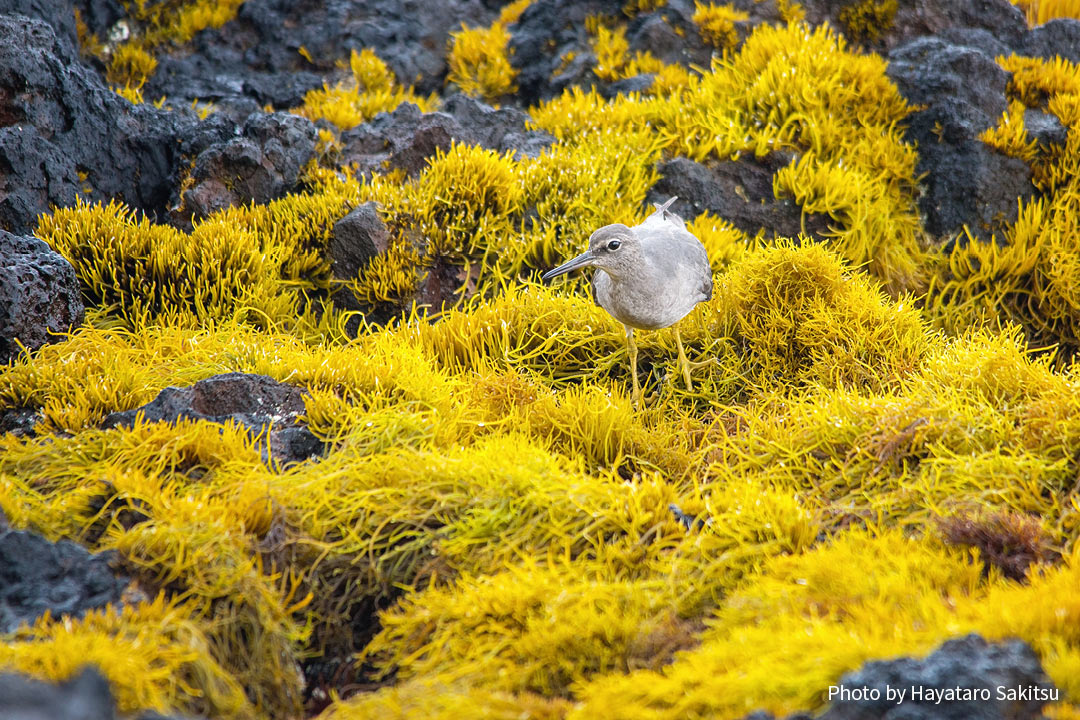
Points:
(631, 347)
(683, 362)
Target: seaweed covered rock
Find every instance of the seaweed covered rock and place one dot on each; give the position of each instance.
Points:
(39, 295)
(62, 578)
(62, 131)
(1008, 669)
(257, 402)
(405, 138)
(966, 183)
(276, 50)
(259, 163)
(739, 191)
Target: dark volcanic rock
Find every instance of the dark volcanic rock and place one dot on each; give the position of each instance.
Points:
(358, 238)
(968, 662)
(39, 294)
(1057, 38)
(19, 422)
(739, 191)
(85, 696)
(257, 402)
(58, 119)
(260, 163)
(918, 18)
(406, 137)
(965, 181)
(257, 55)
(63, 578)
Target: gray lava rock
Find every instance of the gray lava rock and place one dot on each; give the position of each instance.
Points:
(63, 578)
(256, 402)
(919, 18)
(39, 294)
(740, 191)
(967, 662)
(85, 696)
(1059, 37)
(1044, 128)
(358, 238)
(965, 182)
(257, 56)
(19, 422)
(406, 137)
(260, 163)
(58, 119)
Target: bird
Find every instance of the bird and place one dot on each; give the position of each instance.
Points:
(647, 277)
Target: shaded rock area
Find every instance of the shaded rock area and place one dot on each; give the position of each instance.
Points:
(62, 132)
(739, 191)
(62, 578)
(255, 59)
(551, 50)
(39, 295)
(405, 138)
(259, 403)
(257, 161)
(1009, 669)
(968, 662)
(965, 182)
(883, 31)
(85, 696)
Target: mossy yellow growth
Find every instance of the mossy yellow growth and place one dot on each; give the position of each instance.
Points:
(478, 60)
(805, 319)
(1030, 276)
(130, 66)
(154, 655)
(792, 89)
(250, 263)
(439, 700)
(866, 20)
(372, 89)
(1042, 11)
(632, 8)
(612, 62)
(716, 23)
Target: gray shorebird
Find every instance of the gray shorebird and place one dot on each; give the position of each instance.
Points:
(647, 277)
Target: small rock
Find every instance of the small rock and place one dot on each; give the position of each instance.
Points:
(1045, 128)
(39, 295)
(968, 662)
(62, 578)
(256, 402)
(358, 238)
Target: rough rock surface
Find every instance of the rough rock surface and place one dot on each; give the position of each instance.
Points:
(406, 137)
(39, 295)
(260, 162)
(63, 578)
(358, 238)
(547, 32)
(256, 402)
(59, 124)
(739, 191)
(917, 18)
(966, 662)
(965, 182)
(257, 55)
(85, 696)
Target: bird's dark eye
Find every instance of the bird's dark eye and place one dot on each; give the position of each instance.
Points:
(613, 245)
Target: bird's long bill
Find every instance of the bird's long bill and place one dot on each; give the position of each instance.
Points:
(583, 260)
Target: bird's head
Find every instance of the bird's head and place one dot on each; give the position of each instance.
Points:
(613, 249)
